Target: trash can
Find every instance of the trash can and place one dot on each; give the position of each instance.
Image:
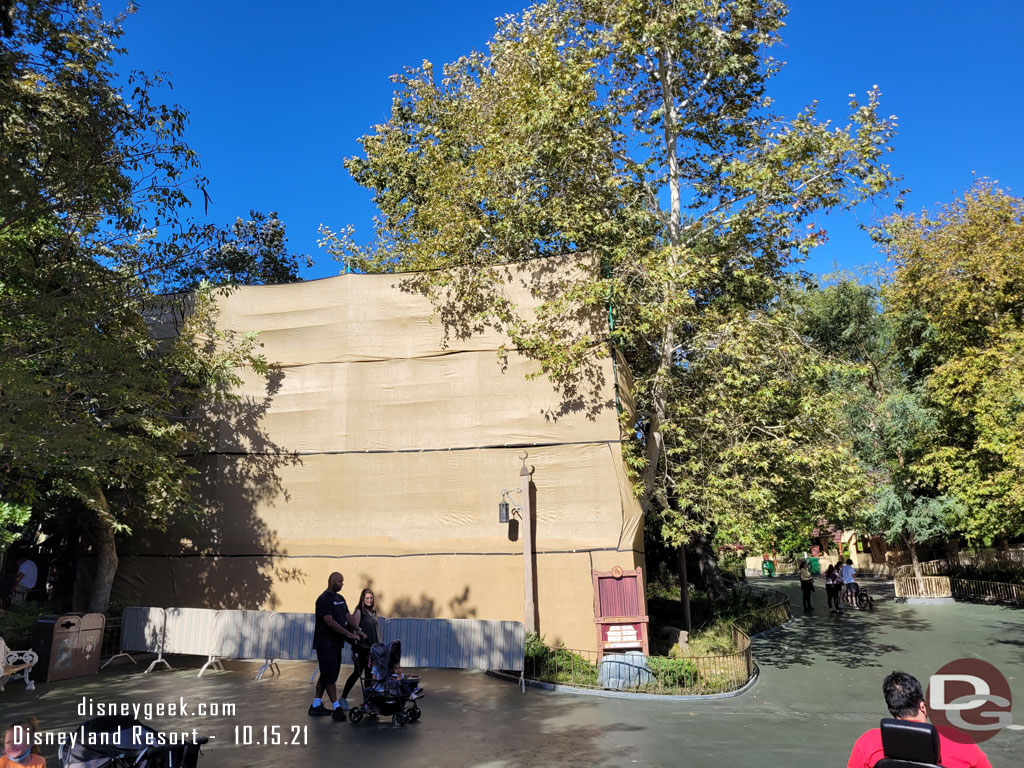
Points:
(768, 568)
(814, 565)
(68, 645)
(86, 658)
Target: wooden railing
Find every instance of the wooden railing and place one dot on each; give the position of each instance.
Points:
(927, 586)
(970, 589)
(944, 578)
(1011, 560)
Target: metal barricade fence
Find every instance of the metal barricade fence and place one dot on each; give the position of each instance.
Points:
(687, 675)
(272, 637)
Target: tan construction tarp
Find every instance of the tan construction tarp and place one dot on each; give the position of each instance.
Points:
(381, 451)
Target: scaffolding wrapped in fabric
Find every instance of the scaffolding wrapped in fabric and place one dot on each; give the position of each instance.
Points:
(380, 448)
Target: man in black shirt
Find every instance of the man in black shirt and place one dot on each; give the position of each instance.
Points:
(329, 634)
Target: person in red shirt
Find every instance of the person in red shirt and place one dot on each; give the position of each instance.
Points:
(905, 700)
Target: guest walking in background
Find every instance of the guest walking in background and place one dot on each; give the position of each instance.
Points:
(849, 584)
(832, 581)
(806, 585)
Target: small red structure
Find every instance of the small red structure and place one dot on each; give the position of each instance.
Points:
(620, 611)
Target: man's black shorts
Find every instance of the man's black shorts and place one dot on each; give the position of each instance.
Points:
(330, 664)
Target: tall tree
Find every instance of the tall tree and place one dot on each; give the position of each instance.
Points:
(957, 297)
(101, 383)
(756, 436)
(637, 136)
(886, 413)
(251, 251)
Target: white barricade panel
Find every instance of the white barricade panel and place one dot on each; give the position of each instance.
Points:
(497, 645)
(424, 641)
(240, 634)
(458, 643)
(190, 630)
(290, 638)
(142, 629)
(482, 644)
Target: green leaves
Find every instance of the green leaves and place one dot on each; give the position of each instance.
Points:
(934, 381)
(755, 442)
(249, 252)
(957, 304)
(884, 415)
(13, 517)
(102, 383)
(635, 141)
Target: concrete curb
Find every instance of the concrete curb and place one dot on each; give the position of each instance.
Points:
(926, 600)
(773, 629)
(625, 694)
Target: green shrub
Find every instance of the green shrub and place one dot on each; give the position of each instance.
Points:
(535, 646)
(23, 616)
(715, 640)
(673, 673)
(557, 665)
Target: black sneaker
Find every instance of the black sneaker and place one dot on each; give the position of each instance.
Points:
(318, 711)
(338, 715)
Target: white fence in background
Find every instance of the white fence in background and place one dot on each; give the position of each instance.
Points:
(272, 637)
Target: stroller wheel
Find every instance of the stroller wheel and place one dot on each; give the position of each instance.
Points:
(355, 715)
(398, 719)
(413, 714)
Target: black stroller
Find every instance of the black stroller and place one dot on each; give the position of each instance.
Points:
(121, 742)
(385, 695)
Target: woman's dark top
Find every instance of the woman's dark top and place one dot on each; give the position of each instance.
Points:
(368, 623)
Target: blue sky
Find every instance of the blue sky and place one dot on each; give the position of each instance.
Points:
(280, 92)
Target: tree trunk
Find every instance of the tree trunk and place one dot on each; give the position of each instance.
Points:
(106, 555)
(654, 437)
(652, 450)
(709, 573)
(912, 546)
(684, 588)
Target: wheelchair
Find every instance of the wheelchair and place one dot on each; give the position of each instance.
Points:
(909, 745)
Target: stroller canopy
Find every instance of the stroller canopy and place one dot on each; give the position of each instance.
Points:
(383, 657)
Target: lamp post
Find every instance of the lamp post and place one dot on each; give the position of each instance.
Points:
(530, 609)
(507, 509)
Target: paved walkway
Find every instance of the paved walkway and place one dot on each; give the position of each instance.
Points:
(820, 687)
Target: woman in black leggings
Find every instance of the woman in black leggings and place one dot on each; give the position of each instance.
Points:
(366, 616)
(832, 589)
